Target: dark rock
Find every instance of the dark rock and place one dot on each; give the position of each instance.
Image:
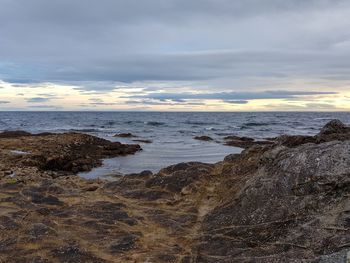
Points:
(74, 254)
(237, 138)
(203, 138)
(334, 127)
(175, 178)
(7, 244)
(123, 243)
(294, 140)
(108, 213)
(143, 141)
(244, 142)
(46, 200)
(74, 152)
(40, 230)
(124, 135)
(8, 223)
(14, 134)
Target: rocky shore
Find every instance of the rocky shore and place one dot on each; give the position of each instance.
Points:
(284, 201)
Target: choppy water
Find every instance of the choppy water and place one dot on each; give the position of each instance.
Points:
(172, 133)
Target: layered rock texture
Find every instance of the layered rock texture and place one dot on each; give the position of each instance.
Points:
(288, 201)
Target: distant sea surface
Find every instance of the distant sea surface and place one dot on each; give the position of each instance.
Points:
(171, 132)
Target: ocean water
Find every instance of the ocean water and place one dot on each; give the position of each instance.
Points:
(171, 132)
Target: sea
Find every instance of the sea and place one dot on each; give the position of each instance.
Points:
(172, 133)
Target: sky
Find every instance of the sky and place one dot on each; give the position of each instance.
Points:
(175, 55)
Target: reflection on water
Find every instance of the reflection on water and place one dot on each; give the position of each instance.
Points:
(158, 155)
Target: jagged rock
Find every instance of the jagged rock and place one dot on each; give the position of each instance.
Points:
(334, 127)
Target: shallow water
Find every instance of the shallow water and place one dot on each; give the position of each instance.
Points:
(171, 132)
(158, 155)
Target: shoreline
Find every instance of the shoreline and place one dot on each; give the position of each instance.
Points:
(264, 203)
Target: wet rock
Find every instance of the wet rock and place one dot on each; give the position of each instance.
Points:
(237, 138)
(203, 138)
(14, 134)
(69, 152)
(244, 142)
(124, 135)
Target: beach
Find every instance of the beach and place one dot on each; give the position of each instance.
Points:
(285, 199)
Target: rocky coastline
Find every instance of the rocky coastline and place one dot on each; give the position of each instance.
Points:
(283, 200)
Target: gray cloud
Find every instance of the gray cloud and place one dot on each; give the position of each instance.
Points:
(38, 100)
(4, 102)
(163, 102)
(320, 106)
(48, 107)
(226, 45)
(232, 96)
(236, 101)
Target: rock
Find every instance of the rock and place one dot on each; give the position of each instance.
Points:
(47, 200)
(14, 134)
(285, 201)
(124, 135)
(74, 254)
(294, 140)
(123, 243)
(69, 152)
(203, 138)
(143, 141)
(244, 142)
(334, 127)
(40, 230)
(237, 138)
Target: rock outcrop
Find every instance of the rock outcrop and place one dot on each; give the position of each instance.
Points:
(244, 142)
(203, 138)
(69, 152)
(124, 135)
(283, 202)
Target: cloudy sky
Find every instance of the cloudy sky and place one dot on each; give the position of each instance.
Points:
(212, 55)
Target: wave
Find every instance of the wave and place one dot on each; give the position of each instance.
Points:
(249, 125)
(200, 123)
(154, 123)
(110, 123)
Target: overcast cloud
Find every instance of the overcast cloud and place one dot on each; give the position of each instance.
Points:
(218, 47)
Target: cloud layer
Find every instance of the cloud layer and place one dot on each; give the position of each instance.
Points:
(180, 49)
